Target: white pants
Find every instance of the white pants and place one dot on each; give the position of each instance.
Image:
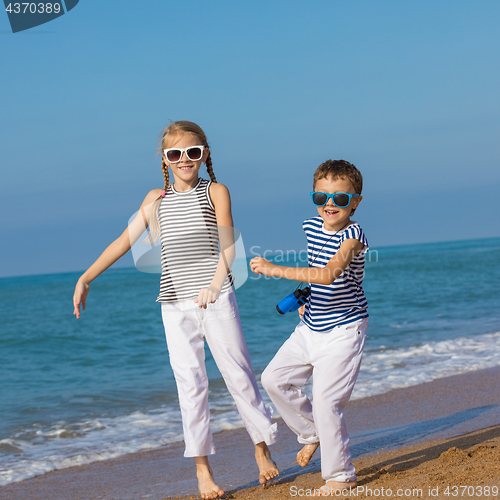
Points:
(186, 327)
(333, 358)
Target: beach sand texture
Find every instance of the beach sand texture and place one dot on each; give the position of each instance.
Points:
(466, 466)
(440, 434)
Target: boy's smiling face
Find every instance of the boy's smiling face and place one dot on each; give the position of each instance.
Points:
(335, 218)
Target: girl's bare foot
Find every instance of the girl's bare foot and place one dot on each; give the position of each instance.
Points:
(331, 488)
(267, 467)
(306, 453)
(206, 485)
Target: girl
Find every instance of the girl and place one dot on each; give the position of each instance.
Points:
(191, 217)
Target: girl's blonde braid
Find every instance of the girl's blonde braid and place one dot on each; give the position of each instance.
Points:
(210, 170)
(154, 225)
(164, 168)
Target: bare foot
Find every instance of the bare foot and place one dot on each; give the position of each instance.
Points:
(332, 488)
(267, 467)
(206, 485)
(306, 453)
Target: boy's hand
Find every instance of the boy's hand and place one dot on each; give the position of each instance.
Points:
(301, 310)
(259, 265)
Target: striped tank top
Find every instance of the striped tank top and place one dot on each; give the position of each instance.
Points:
(343, 301)
(189, 243)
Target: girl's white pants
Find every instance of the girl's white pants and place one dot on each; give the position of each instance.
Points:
(333, 358)
(186, 328)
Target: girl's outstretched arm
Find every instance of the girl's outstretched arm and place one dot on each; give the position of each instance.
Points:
(222, 203)
(113, 252)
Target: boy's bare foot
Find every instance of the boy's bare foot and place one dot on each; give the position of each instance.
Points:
(206, 484)
(267, 467)
(331, 487)
(306, 453)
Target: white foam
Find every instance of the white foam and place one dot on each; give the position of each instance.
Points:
(386, 369)
(38, 450)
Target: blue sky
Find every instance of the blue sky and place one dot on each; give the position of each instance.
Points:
(407, 91)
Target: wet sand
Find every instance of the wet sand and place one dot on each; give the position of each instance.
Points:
(442, 433)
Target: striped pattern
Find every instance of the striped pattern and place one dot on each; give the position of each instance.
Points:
(343, 301)
(189, 243)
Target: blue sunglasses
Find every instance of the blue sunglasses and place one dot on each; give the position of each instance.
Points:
(340, 200)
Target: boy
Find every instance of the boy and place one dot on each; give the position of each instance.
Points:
(328, 342)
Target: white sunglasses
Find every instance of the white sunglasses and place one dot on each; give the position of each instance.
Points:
(174, 155)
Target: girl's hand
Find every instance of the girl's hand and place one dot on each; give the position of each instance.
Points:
(259, 265)
(207, 296)
(302, 310)
(80, 297)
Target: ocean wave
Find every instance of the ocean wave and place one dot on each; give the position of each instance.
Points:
(40, 449)
(390, 368)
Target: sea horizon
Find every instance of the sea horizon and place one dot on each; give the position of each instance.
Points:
(271, 253)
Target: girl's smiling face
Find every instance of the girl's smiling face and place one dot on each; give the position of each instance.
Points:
(186, 171)
(335, 218)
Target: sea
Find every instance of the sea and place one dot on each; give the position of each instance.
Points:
(79, 391)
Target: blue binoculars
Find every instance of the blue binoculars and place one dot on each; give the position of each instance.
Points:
(293, 301)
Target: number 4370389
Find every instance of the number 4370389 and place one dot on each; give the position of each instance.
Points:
(471, 491)
(33, 8)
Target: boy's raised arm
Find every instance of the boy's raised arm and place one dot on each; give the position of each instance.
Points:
(317, 275)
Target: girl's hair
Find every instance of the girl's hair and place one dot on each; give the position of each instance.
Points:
(164, 139)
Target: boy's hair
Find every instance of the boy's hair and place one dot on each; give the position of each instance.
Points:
(339, 169)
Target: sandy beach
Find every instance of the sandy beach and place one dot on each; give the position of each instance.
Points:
(466, 466)
(412, 442)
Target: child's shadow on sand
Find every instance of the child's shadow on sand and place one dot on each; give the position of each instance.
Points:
(416, 458)
(396, 437)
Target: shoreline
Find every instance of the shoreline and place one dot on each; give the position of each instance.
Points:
(426, 417)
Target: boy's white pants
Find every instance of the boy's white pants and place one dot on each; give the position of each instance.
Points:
(186, 327)
(333, 358)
